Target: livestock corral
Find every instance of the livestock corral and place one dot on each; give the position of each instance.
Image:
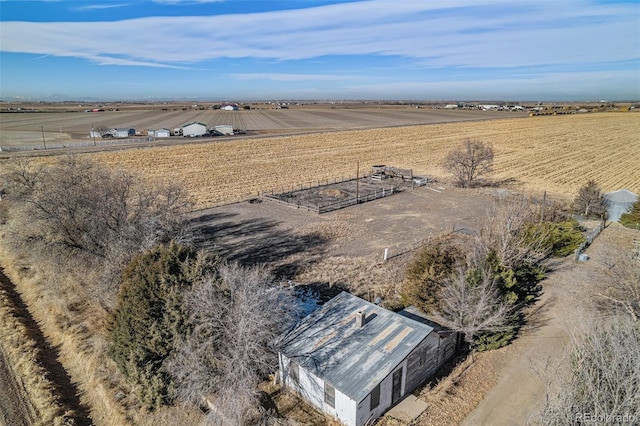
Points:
(335, 194)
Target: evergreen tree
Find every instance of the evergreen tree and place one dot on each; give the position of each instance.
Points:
(431, 266)
(589, 201)
(150, 318)
(632, 219)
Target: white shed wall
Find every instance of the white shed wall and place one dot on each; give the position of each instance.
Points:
(311, 388)
(386, 389)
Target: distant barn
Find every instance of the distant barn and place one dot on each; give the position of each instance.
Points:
(194, 129)
(122, 132)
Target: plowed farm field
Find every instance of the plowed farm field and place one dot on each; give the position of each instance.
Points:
(557, 154)
(36, 130)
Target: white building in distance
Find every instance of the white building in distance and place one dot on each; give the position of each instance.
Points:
(194, 129)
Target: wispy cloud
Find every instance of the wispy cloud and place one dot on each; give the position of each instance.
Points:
(187, 1)
(99, 7)
(290, 77)
(465, 33)
(563, 85)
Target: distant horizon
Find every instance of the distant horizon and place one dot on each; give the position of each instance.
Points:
(310, 101)
(573, 50)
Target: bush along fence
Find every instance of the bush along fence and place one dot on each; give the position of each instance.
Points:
(330, 195)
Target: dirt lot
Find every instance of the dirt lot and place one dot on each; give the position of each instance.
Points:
(341, 247)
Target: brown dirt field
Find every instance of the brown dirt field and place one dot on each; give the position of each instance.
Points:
(69, 128)
(557, 154)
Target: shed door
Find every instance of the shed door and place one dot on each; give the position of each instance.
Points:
(397, 385)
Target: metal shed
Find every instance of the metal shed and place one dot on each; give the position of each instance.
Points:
(618, 203)
(194, 129)
(354, 360)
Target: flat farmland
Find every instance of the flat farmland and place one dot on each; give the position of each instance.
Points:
(69, 128)
(557, 154)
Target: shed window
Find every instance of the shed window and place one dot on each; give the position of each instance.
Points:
(329, 395)
(375, 397)
(294, 372)
(423, 356)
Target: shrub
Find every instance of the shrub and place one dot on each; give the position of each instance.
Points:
(632, 219)
(560, 238)
(424, 276)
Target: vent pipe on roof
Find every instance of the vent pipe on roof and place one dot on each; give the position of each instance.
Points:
(360, 319)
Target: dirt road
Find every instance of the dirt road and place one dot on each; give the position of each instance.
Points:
(541, 350)
(15, 407)
(14, 404)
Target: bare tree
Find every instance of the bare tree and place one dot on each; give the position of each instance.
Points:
(472, 160)
(589, 201)
(90, 218)
(599, 383)
(505, 232)
(471, 303)
(236, 318)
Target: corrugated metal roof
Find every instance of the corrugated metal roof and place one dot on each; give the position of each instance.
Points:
(353, 359)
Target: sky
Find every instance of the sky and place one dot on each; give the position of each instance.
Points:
(544, 50)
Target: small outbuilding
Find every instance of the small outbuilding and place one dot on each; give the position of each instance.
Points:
(229, 107)
(354, 360)
(194, 129)
(618, 203)
(122, 132)
(160, 133)
(224, 130)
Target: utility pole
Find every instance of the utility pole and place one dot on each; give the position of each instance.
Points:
(358, 182)
(93, 133)
(44, 142)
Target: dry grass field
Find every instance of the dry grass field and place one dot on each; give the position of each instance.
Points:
(557, 154)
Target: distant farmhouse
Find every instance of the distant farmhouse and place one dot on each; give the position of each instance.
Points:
(229, 107)
(194, 129)
(354, 360)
